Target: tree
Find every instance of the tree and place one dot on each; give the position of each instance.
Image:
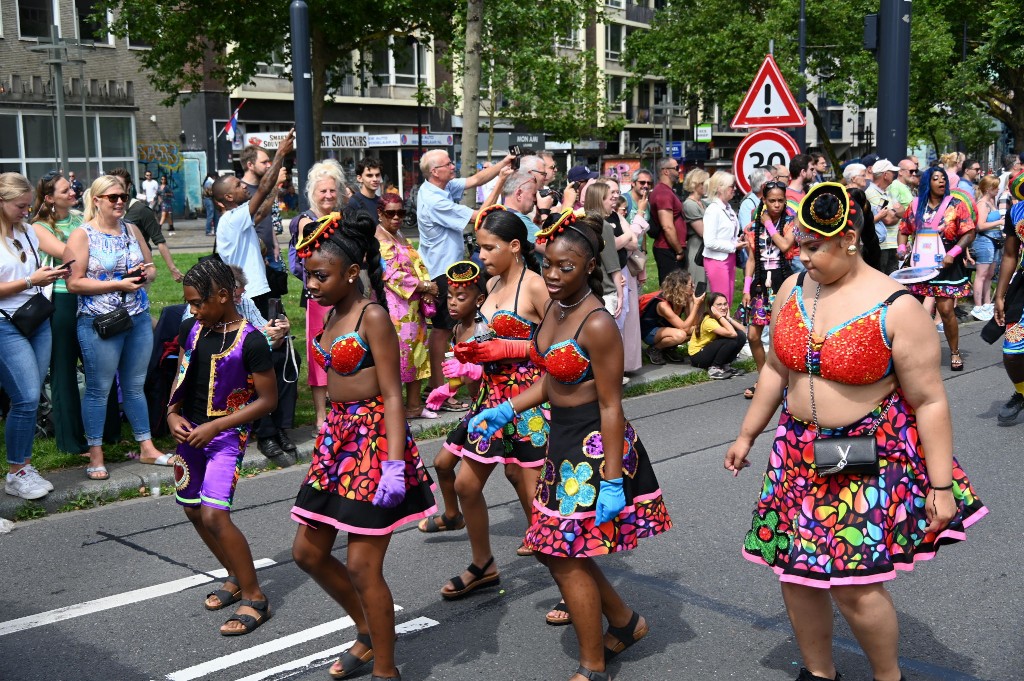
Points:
(471, 88)
(710, 50)
(199, 43)
(524, 77)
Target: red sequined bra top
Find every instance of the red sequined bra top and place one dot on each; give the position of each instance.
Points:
(508, 324)
(856, 352)
(566, 362)
(348, 353)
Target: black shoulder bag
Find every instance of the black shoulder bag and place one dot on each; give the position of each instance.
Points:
(34, 311)
(856, 455)
(109, 324)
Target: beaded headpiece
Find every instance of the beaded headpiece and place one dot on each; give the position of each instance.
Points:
(1016, 185)
(322, 231)
(463, 274)
(565, 220)
(484, 212)
(813, 222)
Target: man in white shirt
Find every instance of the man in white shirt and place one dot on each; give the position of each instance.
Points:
(150, 188)
(237, 240)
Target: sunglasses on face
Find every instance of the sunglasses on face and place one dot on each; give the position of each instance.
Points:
(114, 198)
(51, 175)
(392, 214)
(644, 183)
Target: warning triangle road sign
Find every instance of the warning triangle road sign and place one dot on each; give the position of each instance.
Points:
(769, 103)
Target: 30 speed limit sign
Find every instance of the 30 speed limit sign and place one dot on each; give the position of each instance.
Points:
(762, 149)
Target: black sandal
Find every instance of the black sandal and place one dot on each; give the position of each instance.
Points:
(225, 597)
(559, 621)
(349, 662)
(480, 581)
(807, 676)
(958, 364)
(627, 635)
(592, 675)
(431, 525)
(386, 678)
(250, 623)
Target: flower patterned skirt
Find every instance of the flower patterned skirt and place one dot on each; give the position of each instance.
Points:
(523, 440)
(847, 529)
(563, 511)
(342, 480)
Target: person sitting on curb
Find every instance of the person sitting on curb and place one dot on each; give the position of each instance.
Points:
(668, 317)
(717, 342)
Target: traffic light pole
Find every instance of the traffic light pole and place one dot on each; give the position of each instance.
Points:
(893, 78)
(302, 83)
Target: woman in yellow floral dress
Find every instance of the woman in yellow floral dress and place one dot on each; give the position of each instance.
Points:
(407, 287)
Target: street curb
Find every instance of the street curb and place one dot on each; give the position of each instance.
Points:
(70, 484)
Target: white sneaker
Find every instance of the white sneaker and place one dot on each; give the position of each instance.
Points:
(43, 482)
(990, 308)
(979, 312)
(24, 485)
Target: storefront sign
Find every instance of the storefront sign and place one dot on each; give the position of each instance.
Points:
(328, 140)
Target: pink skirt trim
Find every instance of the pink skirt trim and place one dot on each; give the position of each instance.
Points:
(590, 514)
(301, 515)
(469, 453)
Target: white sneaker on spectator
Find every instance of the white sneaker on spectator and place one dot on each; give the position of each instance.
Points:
(990, 307)
(43, 482)
(980, 313)
(718, 373)
(24, 485)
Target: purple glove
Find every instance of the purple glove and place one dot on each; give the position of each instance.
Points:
(438, 396)
(391, 488)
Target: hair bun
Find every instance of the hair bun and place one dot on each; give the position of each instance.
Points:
(827, 206)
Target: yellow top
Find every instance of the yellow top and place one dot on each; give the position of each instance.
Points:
(702, 335)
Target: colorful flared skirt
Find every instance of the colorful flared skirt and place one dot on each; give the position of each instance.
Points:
(523, 441)
(824, 531)
(563, 511)
(342, 480)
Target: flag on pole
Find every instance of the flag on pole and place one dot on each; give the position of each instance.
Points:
(232, 126)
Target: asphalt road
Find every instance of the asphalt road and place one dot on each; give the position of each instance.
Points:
(116, 592)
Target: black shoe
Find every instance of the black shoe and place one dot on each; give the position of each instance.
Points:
(675, 356)
(270, 447)
(1008, 414)
(286, 442)
(807, 676)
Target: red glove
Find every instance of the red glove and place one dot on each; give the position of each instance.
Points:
(493, 350)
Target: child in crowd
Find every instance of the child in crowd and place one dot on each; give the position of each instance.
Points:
(366, 477)
(222, 350)
(466, 293)
(669, 316)
(717, 342)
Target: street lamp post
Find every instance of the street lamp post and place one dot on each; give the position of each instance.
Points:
(302, 82)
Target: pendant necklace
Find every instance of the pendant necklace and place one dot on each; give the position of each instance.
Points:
(564, 309)
(222, 329)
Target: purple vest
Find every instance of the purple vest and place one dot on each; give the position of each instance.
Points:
(231, 386)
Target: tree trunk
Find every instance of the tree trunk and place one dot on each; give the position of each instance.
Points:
(471, 92)
(823, 138)
(322, 57)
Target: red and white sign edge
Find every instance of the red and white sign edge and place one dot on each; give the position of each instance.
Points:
(744, 162)
(745, 117)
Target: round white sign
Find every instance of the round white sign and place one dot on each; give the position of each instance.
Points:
(762, 149)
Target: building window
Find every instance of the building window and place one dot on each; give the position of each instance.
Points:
(573, 40)
(28, 144)
(35, 18)
(615, 3)
(274, 67)
(136, 40)
(615, 37)
(396, 62)
(615, 85)
(88, 28)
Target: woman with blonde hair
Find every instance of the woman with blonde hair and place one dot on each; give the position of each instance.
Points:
(26, 352)
(721, 235)
(695, 185)
(953, 163)
(110, 267)
(325, 185)
(985, 248)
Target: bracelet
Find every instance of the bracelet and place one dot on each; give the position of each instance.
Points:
(955, 251)
(747, 281)
(942, 489)
(28, 283)
(770, 228)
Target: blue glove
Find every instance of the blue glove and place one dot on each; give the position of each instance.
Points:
(610, 500)
(391, 488)
(490, 421)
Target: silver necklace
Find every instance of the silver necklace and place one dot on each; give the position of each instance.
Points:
(564, 311)
(222, 328)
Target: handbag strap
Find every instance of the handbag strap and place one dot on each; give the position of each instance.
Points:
(810, 376)
(38, 265)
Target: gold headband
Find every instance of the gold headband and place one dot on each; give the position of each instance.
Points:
(484, 212)
(467, 278)
(325, 227)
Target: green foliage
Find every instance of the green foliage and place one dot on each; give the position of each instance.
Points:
(525, 78)
(29, 511)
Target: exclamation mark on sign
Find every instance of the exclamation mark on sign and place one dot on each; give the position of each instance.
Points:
(768, 98)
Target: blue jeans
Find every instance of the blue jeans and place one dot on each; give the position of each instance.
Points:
(23, 366)
(127, 355)
(211, 215)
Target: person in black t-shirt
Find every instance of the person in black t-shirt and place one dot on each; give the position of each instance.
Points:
(138, 213)
(225, 381)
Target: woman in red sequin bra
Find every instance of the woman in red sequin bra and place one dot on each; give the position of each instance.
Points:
(516, 297)
(854, 364)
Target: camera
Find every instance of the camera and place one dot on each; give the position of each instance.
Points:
(545, 192)
(516, 151)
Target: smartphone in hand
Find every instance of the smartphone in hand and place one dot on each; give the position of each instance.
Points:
(701, 289)
(516, 151)
(274, 309)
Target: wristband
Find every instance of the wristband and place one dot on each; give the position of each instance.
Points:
(28, 283)
(954, 252)
(770, 228)
(942, 489)
(747, 281)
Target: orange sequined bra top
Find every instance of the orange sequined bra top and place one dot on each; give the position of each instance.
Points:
(856, 352)
(508, 324)
(566, 362)
(348, 353)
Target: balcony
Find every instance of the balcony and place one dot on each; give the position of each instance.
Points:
(639, 13)
(35, 91)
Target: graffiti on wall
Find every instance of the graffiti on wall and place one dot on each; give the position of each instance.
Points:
(164, 160)
(621, 169)
(165, 155)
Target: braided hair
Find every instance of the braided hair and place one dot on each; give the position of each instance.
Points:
(585, 234)
(757, 288)
(355, 243)
(209, 276)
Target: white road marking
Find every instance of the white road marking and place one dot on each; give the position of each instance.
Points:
(116, 601)
(323, 658)
(242, 656)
